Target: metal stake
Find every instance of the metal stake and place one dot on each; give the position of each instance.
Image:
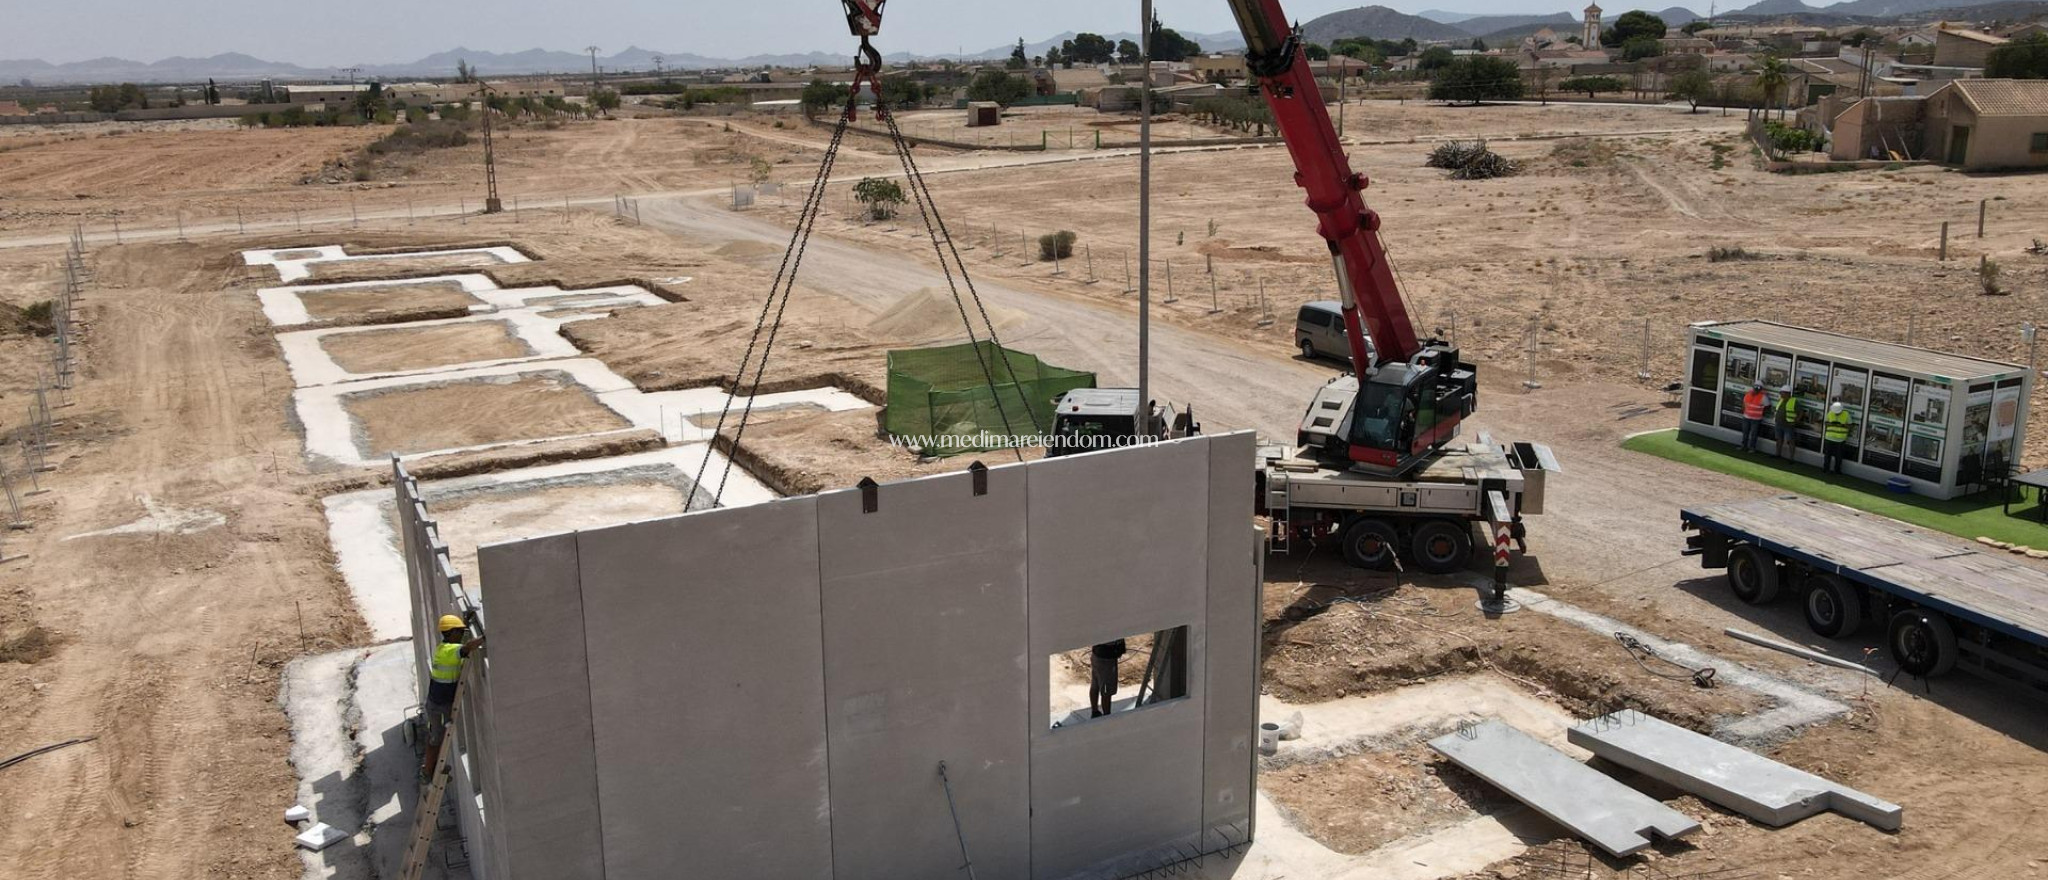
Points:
(966, 861)
(1644, 373)
(1944, 241)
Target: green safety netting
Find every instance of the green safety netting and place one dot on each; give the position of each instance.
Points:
(939, 398)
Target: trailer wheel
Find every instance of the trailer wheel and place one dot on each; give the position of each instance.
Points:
(1833, 607)
(1441, 546)
(1371, 543)
(1752, 574)
(1922, 642)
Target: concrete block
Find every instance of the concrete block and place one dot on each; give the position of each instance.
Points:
(1608, 814)
(707, 693)
(1728, 775)
(1232, 641)
(297, 813)
(540, 731)
(320, 836)
(925, 658)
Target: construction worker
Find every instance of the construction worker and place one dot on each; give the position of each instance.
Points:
(443, 671)
(1103, 661)
(1835, 436)
(1788, 419)
(1753, 402)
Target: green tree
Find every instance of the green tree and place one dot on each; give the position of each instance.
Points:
(1129, 52)
(1434, 58)
(1478, 45)
(1694, 27)
(606, 100)
(1861, 36)
(1632, 24)
(2020, 59)
(821, 95)
(1692, 87)
(1363, 50)
(369, 102)
(880, 194)
(1316, 52)
(463, 72)
(1018, 60)
(1169, 45)
(133, 97)
(998, 86)
(1086, 48)
(212, 92)
(1053, 58)
(904, 92)
(1476, 78)
(1772, 76)
(1639, 48)
(1590, 85)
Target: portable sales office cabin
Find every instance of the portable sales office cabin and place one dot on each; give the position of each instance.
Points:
(1933, 418)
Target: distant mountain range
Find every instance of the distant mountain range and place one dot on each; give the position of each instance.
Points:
(1375, 22)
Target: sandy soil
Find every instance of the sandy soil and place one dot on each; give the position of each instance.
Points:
(478, 412)
(489, 518)
(1359, 803)
(420, 348)
(363, 305)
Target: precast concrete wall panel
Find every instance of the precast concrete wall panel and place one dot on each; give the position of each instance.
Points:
(1118, 547)
(925, 661)
(540, 729)
(707, 693)
(1232, 644)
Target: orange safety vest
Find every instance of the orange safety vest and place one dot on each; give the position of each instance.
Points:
(1753, 405)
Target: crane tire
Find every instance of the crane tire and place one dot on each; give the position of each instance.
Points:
(1371, 544)
(1441, 546)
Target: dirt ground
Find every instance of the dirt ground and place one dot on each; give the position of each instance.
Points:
(420, 348)
(167, 645)
(477, 412)
(367, 305)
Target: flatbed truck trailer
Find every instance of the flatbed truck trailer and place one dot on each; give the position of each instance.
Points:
(1938, 601)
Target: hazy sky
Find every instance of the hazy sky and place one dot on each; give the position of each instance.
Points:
(341, 32)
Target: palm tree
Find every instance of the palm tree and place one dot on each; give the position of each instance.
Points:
(1771, 78)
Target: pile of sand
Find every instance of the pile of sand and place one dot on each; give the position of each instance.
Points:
(930, 315)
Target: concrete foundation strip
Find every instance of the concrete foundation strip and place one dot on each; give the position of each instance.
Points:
(1730, 776)
(1590, 804)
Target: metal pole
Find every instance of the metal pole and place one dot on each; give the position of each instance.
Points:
(1145, 207)
(1944, 241)
(1214, 305)
(966, 861)
(1981, 203)
(1644, 373)
(1170, 298)
(2033, 341)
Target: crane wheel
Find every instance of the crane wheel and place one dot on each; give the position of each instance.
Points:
(1833, 607)
(1922, 642)
(1371, 543)
(1441, 546)
(1752, 574)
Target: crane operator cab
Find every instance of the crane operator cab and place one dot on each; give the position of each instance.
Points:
(1087, 419)
(1400, 414)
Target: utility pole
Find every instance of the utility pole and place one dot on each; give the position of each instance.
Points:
(657, 65)
(491, 203)
(1145, 213)
(593, 68)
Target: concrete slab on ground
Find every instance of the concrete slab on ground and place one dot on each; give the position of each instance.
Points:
(1610, 815)
(287, 307)
(294, 264)
(1733, 777)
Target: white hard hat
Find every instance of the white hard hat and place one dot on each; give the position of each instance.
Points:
(1835, 407)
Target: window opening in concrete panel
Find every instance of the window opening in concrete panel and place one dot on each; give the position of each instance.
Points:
(1101, 681)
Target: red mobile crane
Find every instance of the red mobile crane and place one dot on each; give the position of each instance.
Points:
(1374, 460)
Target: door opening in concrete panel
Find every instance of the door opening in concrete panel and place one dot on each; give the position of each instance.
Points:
(1118, 676)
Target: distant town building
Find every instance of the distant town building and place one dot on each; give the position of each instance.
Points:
(1963, 48)
(1590, 35)
(1226, 65)
(1989, 123)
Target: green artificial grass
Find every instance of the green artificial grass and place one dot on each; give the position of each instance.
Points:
(1968, 517)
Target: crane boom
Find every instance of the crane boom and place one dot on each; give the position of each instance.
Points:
(1274, 56)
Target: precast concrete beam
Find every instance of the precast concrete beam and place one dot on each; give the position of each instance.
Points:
(1728, 775)
(1585, 801)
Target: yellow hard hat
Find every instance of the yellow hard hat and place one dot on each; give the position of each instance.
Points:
(450, 621)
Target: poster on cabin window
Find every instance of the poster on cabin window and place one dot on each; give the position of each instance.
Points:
(1884, 432)
(1735, 380)
(1848, 389)
(2005, 417)
(1777, 371)
(1927, 423)
(1977, 421)
(1810, 384)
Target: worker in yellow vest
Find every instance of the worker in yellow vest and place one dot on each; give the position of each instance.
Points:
(1835, 437)
(444, 670)
(1788, 422)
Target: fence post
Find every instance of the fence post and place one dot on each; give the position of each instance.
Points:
(1169, 283)
(1127, 270)
(1644, 372)
(1981, 203)
(238, 221)
(1944, 241)
(1088, 253)
(1215, 306)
